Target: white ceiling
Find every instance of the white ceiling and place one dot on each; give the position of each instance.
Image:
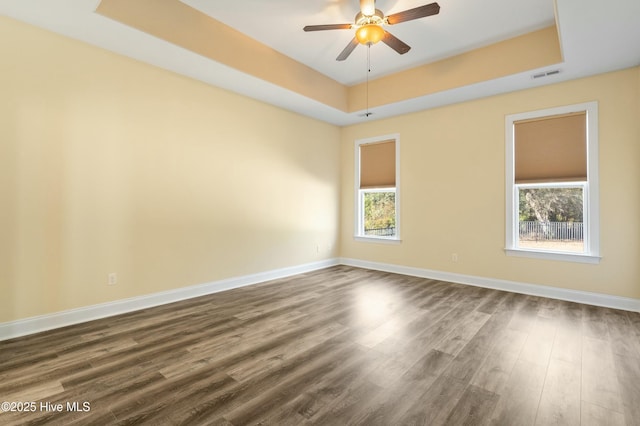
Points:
(596, 37)
(459, 27)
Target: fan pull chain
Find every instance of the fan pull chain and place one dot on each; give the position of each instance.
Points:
(367, 114)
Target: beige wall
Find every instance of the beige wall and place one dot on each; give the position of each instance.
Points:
(110, 165)
(452, 171)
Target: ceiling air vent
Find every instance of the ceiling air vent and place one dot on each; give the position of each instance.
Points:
(545, 74)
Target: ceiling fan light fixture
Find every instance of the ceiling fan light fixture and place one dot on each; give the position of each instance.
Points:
(370, 34)
(369, 23)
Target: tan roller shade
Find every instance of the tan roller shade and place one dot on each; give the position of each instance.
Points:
(551, 149)
(378, 165)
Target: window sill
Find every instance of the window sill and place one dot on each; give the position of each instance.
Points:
(566, 257)
(381, 240)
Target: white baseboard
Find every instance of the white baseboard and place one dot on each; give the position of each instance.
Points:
(588, 298)
(23, 327)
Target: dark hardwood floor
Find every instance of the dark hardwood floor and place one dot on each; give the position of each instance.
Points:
(337, 346)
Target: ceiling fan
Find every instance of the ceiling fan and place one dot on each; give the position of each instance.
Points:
(369, 23)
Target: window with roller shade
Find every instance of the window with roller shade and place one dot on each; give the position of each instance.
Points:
(552, 198)
(376, 188)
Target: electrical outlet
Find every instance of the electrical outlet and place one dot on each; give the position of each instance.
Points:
(454, 257)
(112, 279)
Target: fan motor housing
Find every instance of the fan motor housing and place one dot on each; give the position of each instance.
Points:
(377, 18)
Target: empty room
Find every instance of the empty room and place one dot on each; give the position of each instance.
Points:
(332, 212)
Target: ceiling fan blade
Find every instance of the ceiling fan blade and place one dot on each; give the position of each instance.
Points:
(347, 50)
(327, 27)
(395, 43)
(416, 13)
(368, 7)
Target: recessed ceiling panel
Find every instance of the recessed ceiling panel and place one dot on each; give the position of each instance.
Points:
(459, 27)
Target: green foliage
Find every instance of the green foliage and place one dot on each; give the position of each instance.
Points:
(379, 210)
(551, 204)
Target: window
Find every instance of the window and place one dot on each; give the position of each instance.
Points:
(377, 195)
(552, 184)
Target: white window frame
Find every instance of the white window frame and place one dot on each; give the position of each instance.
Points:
(359, 197)
(591, 199)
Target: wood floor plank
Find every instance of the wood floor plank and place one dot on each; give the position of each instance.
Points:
(542, 334)
(495, 371)
(338, 384)
(519, 401)
(470, 359)
(594, 322)
(153, 404)
(462, 333)
(634, 319)
(509, 340)
(474, 407)
(200, 407)
(392, 406)
(424, 327)
(560, 400)
(624, 340)
(628, 372)
(261, 406)
(599, 379)
(265, 360)
(347, 405)
(525, 317)
(341, 345)
(567, 345)
(594, 415)
(492, 301)
(435, 405)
